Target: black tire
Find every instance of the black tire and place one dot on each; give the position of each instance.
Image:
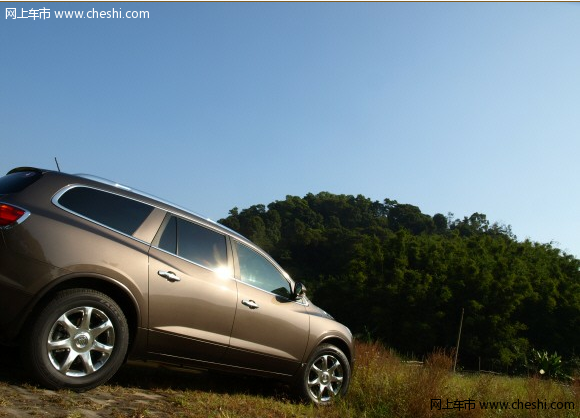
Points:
(326, 375)
(77, 341)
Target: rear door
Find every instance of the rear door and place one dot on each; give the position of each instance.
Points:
(270, 331)
(192, 293)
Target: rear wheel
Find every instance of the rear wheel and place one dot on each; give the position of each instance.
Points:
(326, 375)
(78, 340)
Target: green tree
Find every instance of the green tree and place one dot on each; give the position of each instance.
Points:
(388, 270)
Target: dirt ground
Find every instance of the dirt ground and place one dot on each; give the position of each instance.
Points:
(21, 397)
(138, 390)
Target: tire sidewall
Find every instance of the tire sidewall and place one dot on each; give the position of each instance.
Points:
(37, 353)
(321, 350)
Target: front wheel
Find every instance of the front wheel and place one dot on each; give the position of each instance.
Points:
(77, 341)
(326, 375)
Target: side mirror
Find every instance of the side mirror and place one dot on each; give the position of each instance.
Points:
(299, 290)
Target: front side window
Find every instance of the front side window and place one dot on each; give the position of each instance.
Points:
(257, 271)
(114, 211)
(194, 243)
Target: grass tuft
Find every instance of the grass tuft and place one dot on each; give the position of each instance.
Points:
(382, 386)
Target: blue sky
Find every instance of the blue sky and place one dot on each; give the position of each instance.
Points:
(462, 108)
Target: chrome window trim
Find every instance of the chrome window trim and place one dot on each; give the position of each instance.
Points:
(299, 302)
(19, 220)
(155, 198)
(279, 269)
(283, 273)
(190, 216)
(191, 262)
(61, 192)
(269, 259)
(177, 217)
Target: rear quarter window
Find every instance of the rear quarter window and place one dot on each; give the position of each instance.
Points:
(114, 211)
(16, 182)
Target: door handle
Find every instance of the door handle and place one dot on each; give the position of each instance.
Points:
(169, 275)
(250, 304)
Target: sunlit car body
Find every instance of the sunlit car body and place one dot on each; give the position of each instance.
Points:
(92, 272)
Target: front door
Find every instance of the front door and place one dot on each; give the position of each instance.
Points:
(270, 331)
(192, 294)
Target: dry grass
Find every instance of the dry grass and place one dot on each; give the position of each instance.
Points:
(382, 386)
(385, 387)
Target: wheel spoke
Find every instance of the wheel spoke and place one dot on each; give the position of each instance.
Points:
(320, 392)
(102, 348)
(65, 367)
(67, 324)
(105, 326)
(335, 366)
(59, 344)
(88, 362)
(86, 321)
(316, 369)
(324, 360)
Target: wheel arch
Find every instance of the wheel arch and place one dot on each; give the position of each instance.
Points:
(340, 344)
(319, 384)
(112, 288)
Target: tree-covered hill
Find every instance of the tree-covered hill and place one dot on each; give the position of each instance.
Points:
(391, 272)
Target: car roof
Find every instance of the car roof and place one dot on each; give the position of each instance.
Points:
(172, 207)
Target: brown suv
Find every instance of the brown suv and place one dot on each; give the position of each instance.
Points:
(93, 272)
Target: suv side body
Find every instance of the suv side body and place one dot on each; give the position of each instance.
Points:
(92, 272)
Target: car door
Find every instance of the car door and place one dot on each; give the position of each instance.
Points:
(270, 331)
(192, 293)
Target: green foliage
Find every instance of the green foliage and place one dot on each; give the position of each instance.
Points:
(392, 273)
(547, 365)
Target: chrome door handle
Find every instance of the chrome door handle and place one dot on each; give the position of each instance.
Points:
(169, 275)
(250, 304)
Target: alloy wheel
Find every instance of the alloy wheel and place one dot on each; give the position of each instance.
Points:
(81, 341)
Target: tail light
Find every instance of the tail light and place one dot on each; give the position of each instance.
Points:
(9, 215)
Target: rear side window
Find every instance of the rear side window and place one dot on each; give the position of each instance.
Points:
(16, 182)
(194, 243)
(114, 211)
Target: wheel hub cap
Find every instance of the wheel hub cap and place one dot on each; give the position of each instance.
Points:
(82, 340)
